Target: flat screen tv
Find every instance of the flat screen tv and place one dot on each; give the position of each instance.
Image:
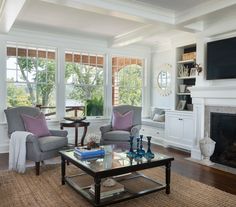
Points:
(221, 59)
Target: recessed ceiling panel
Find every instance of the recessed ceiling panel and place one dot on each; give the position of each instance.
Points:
(47, 14)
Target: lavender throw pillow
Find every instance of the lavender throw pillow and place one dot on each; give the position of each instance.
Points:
(36, 125)
(122, 121)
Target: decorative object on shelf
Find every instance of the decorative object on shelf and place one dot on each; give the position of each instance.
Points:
(207, 147)
(193, 71)
(181, 104)
(181, 70)
(190, 107)
(93, 141)
(186, 71)
(163, 79)
(182, 88)
(141, 151)
(198, 68)
(109, 182)
(108, 191)
(149, 155)
(189, 56)
(131, 152)
(187, 89)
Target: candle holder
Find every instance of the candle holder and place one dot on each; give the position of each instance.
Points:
(138, 156)
(149, 154)
(131, 152)
(141, 151)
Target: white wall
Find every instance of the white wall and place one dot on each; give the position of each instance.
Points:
(158, 59)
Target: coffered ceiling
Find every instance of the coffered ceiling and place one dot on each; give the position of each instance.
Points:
(120, 22)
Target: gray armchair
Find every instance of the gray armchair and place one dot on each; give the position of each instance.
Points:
(37, 149)
(111, 136)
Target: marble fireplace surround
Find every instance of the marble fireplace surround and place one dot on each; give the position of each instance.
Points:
(207, 99)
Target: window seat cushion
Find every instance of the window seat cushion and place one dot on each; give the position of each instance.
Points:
(150, 122)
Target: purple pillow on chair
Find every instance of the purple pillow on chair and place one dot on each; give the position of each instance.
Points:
(122, 121)
(36, 125)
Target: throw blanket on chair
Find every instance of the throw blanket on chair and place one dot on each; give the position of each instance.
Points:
(17, 151)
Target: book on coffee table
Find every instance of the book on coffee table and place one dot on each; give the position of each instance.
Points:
(84, 152)
(107, 191)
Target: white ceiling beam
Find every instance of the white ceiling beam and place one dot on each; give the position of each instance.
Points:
(136, 35)
(121, 9)
(190, 15)
(9, 11)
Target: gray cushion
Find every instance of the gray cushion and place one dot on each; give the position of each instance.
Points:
(52, 142)
(116, 135)
(158, 111)
(152, 123)
(14, 120)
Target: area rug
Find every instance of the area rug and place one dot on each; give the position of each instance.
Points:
(21, 190)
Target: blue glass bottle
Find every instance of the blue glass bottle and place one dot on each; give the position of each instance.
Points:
(131, 152)
(141, 151)
(149, 154)
(138, 156)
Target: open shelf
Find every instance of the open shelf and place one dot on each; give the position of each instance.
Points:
(185, 74)
(186, 77)
(186, 61)
(183, 94)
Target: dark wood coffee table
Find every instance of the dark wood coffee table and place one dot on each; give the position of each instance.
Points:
(115, 164)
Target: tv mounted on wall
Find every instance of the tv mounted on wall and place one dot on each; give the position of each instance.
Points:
(221, 59)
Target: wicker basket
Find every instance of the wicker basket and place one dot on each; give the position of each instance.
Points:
(189, 56)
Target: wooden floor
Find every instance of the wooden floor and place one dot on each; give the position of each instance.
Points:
(210, 176)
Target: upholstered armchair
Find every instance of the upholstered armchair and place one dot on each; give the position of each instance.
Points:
(37, 148)
(111, 135)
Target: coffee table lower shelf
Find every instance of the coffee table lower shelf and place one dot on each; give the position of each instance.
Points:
(135, 184)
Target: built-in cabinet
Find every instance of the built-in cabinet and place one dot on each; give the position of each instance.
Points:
(179, 129)
(150, 128)
(185, 76)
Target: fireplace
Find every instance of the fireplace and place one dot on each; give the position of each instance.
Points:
(223, 132)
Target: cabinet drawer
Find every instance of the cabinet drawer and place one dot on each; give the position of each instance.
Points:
(152, 131)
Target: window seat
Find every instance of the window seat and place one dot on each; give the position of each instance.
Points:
(150, 122)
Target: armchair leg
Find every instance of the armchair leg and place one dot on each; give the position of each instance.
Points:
(37, 167)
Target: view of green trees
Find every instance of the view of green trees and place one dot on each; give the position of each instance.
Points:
(36, 84)
(130, 85)
(84, 83)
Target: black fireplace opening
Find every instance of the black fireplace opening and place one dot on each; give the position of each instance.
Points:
(223, 132)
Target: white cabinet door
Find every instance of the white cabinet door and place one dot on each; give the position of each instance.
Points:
(179, 129)
(173, 127)
(188, 133)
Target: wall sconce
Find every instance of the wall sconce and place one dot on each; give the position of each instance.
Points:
(198, 68)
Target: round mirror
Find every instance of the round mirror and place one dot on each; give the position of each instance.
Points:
(164, 80)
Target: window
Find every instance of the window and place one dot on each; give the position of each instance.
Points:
(31, 76)
(127, 81)
(84, 82)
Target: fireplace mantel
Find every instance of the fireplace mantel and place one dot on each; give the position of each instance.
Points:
(214, 95)
(202, 96)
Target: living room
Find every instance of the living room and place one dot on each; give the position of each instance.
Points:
(168, 45)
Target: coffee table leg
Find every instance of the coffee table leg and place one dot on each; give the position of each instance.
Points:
(168, 165)
(63, 170)
(97, 182)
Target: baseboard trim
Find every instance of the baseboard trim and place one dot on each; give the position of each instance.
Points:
(4, 148)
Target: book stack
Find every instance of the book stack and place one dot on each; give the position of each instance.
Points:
(86, 153)
(108, 191)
